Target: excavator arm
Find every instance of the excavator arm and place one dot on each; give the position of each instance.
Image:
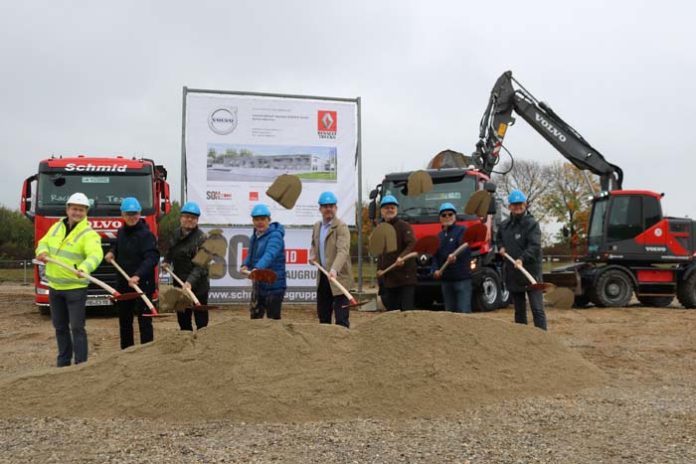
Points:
(506, 98)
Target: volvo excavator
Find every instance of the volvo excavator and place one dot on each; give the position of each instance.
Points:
(631, 247)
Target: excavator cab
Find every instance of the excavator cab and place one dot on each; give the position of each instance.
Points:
(627, 226)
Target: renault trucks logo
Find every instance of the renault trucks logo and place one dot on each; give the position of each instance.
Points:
(223, 121)
(549, 127)
(327, 123)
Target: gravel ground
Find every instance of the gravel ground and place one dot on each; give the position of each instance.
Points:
(646, 413)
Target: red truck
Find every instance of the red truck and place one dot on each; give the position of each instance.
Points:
(105, 181)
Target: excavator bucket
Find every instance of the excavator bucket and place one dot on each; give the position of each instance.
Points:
(285, 190)
(419, 182)
(382, 239)
(449, 159)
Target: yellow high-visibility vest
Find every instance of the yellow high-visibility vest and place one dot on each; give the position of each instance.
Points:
(81, 248)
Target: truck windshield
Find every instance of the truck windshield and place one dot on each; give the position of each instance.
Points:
(453, 190)
(105, 192)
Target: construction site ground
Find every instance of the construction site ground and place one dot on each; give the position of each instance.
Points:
(603, 385)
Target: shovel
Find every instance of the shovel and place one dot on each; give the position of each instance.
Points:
(478, 203)
(196, 303)
(382, 239)
(260, 275)
(215, 245)
(148, 303)
(115, 294)
(285, 190)
(419, 182)
(475, 233)
(424, 245)
(352, 301)
(544, 287)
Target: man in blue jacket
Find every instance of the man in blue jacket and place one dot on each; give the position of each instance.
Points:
(266, 251)
(135, 250)
(456, 278)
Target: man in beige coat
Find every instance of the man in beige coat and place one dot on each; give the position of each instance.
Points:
(331, 248)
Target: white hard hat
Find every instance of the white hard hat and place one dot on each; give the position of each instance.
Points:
(78, 199)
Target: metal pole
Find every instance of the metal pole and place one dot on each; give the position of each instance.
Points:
(183, 148)
(359, 209)
(24, 263)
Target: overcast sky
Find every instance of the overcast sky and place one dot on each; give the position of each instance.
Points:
(106, 78)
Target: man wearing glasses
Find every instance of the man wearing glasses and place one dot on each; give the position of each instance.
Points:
(456, 279)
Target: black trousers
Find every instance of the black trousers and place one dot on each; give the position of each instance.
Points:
(127, 310)
(201, 317)
(268, 304)
(327, 304)
(402, 298)
(536, 301)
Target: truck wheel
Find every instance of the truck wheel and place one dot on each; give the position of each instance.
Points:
(45, 310)
(686, 292)
(612, 288)
(487, 293)
(656, 301)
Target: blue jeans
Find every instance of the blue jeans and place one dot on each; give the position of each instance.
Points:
(457, 295)
(68, 317)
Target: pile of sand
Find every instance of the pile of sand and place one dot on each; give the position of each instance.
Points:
(412, 364)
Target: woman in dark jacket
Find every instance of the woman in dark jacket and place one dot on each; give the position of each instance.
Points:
(185, 244)
(266, 251)
(456, 278)
(135, 250)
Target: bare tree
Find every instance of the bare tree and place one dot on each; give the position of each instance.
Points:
(531, 177)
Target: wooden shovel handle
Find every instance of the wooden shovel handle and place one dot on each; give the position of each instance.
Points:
(456, 252)
(529, 277)
(335, 281)
(94, 280)
(144, 297)
(410, 255)
(190, 293)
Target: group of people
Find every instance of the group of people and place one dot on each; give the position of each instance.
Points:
(73, 242)
(519, 236)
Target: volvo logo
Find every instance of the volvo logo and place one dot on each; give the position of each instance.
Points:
(223, 121)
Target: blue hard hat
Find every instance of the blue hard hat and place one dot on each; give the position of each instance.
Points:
(261, 210)
(448, 207)
(192, 208)
(327, 198)
(388, 200)
(516, 196)
(130, 205)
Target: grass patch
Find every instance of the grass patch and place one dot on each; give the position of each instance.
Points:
(16, 275)
(318, 175)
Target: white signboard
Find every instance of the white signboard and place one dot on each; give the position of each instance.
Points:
(234, 287)
(236, 146)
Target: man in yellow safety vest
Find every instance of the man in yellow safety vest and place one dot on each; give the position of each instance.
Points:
(72, 241)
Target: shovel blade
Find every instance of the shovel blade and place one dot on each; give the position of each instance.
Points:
(427, 245)
(285, 190)
(419, 182)
(382, 239)
(125, 296)
(355, 304)
(478, 203)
